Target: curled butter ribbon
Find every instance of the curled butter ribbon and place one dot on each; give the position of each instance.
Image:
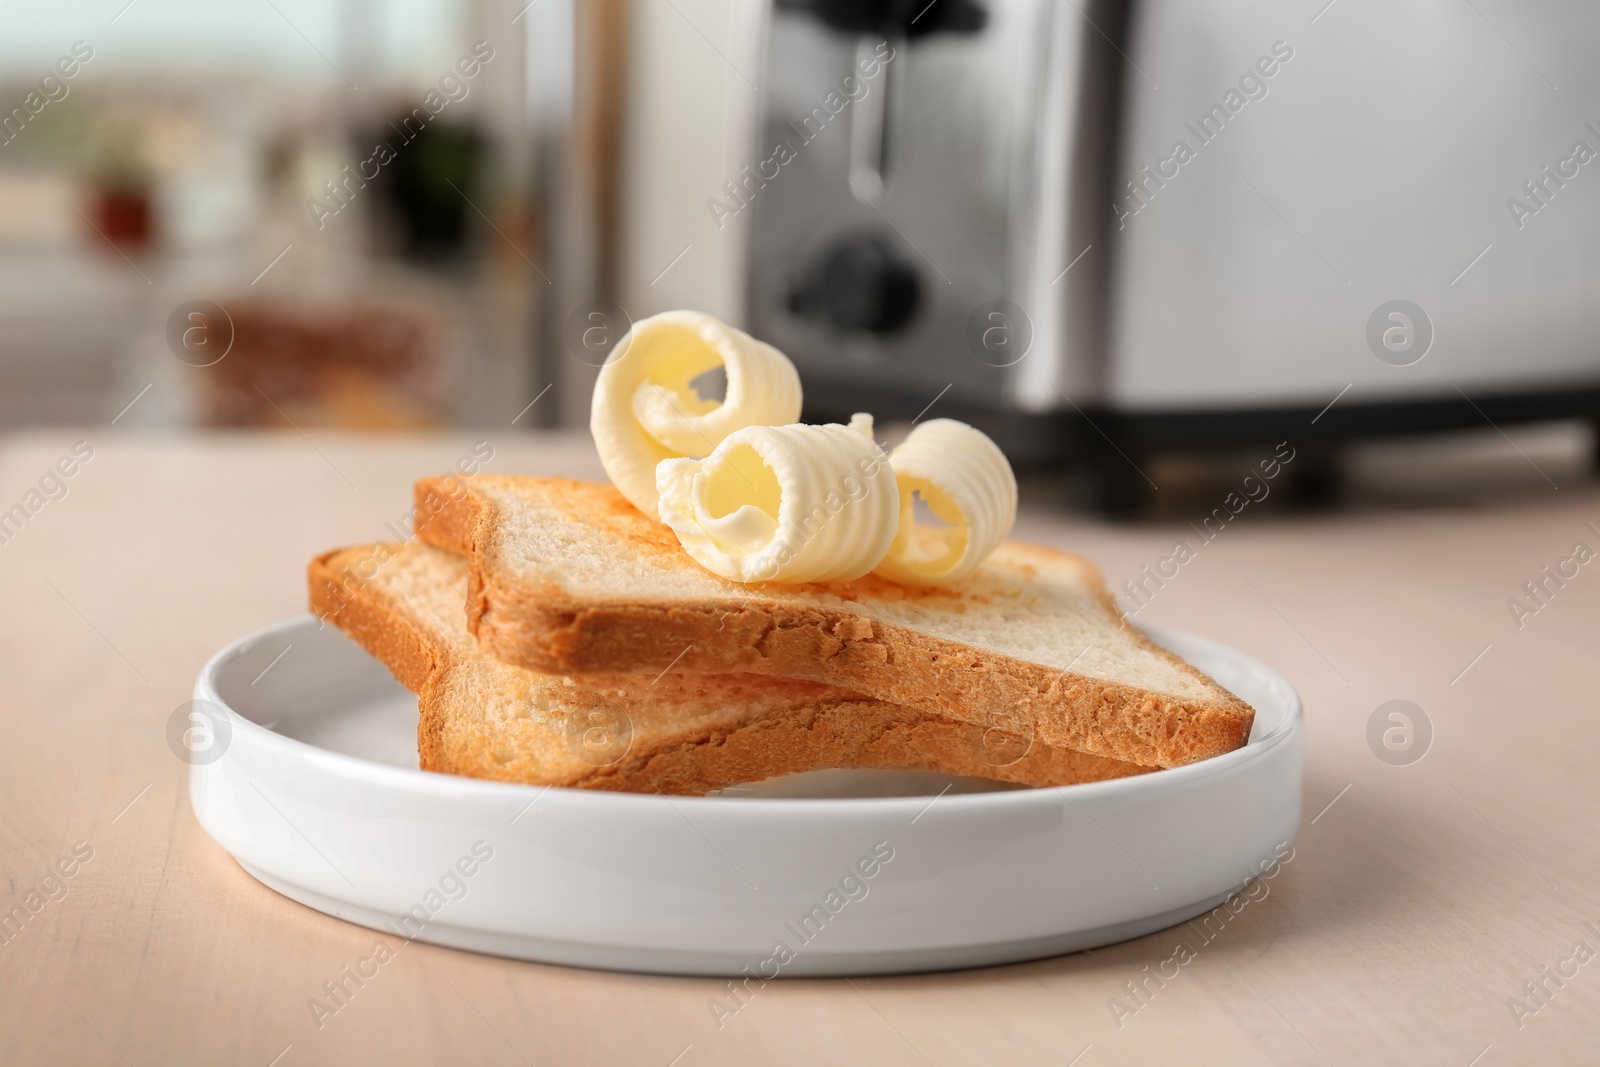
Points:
(644, 410)
(784, 503)
(967, 484)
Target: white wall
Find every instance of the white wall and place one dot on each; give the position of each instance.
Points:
(688, 127)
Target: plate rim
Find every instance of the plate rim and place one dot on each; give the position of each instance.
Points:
(453, 786)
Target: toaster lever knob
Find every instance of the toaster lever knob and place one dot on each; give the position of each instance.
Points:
(859, 284)
(895, 18)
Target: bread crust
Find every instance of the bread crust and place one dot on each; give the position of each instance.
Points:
(338, 590)
(840, 734)
(543, 626)
(813, 727)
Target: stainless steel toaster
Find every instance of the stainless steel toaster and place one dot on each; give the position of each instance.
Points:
(1103, 231)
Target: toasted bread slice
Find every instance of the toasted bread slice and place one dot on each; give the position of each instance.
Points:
(677, 733)
(568, 576)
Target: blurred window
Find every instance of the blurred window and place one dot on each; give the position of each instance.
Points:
(396, 40)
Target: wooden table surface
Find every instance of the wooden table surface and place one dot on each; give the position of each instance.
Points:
(1419, 900)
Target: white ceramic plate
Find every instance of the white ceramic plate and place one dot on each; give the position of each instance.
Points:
(314, 788)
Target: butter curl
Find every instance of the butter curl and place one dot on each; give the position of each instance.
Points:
(783, 503)
(645, 411)
(968, 486)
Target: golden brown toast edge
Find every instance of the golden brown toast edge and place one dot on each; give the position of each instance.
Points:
(545, 628)
(839, 730)
(338, 593)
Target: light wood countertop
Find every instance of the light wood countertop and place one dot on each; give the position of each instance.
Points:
(1418, 900)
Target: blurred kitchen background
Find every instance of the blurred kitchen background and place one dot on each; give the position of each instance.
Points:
(381, 215)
